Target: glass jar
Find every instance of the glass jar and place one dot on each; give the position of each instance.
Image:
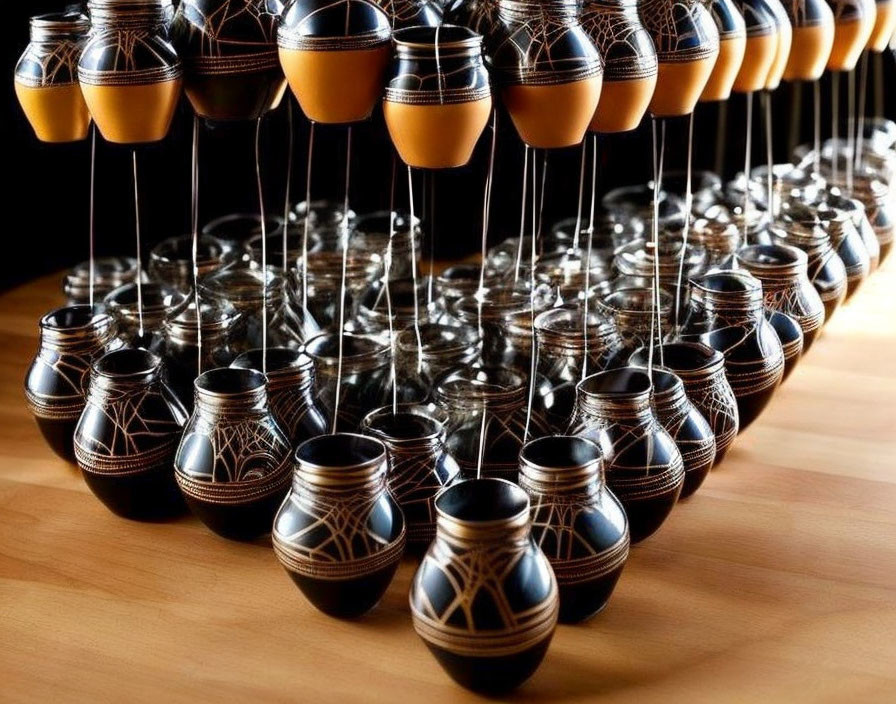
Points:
(365, 383)
(236, 230)
(127, 436)
(561, 357)
(108, 273)
(160, 304)
(46, 77)
(631, 310)
(214, 338)
(233, 463)
(497, 645)
(717, 233)
(171, 261)
(463, 280)
(576, 520)
(420, 465)
(643, 466)
(372, 236)
(324, 282)
(487, 419)
(440, 348)
(71, 338)
(340, 534)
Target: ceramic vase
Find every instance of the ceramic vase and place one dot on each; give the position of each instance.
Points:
(576, 521)
(484, 554)
(127, 436)
(339, 533)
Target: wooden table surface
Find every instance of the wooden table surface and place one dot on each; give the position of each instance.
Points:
(777, 581)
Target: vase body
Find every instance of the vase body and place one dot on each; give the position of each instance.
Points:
(129, 73)
(702, 371)
(335, 57)
(762, 45)
(56, 383)
(229, 52)
(548, 71)
(643, 466)
(824, 268)
(46, 77)
(291, 393)
(233, 462)
(853, 25)
(412, 13)
(790, 334)
(438, 97)
(630, 65)
(419, 464)
(687, 47)
(783, 271)
(339, 533)
(813, 39)
(487, 419)
(127, 436)
(563, 344)
(867, 239)
(484, 554)
(884, 26)
(784, 33)
(732, 45)
(576, 520)
(686, 425)
(846, 241)
(727, 314)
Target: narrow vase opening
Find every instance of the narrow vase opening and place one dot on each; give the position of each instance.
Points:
(620, 383)
(342, 450)
(127, 362)
(679, 356)
(229, 381)
(404, 425)
(559, 452)
(278, 359)
(482, 501)
(73, 317)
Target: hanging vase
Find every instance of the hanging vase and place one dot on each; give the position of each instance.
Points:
(129, 73)
(339, 534)
(687, 47)
(630, 65)
(576, 521)
(853, 25)
(233, 462)
(643, 466)
(548, 70)
(732, 45)
(127, 436)
(484, 599)
(229, 52)
(762, 45)
(438, 96)
(813, 39)
(46, 77)
(784, 32)
(335, 57)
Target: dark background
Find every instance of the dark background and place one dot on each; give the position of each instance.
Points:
(46, 201)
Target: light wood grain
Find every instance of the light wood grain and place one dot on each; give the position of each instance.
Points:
(776, 582)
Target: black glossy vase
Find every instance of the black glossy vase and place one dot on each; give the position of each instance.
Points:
(127, 436)
(419, 464)
(487, 419)
(702, 371)
(233, 462)
(783, 271)
(339, 534)
(291, 393)
(70, 340)
(727, 314)
(485, 600)
(643, 466)
(846, 240)
(229, 52)
(687, 427)
(790, 334)
(576, 521)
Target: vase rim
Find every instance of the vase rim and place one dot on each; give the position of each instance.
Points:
(79, 317)
(444, 36)
(127, 363)
(52, 25)
(617, 384)
(411, 424)
(560, 462)
(229, 383)
(771, 257)
(476, 508)
(682, 357)
(727, 282)
(155, 296)
(340, 459)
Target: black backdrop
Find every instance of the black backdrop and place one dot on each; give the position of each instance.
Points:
(47, 193)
